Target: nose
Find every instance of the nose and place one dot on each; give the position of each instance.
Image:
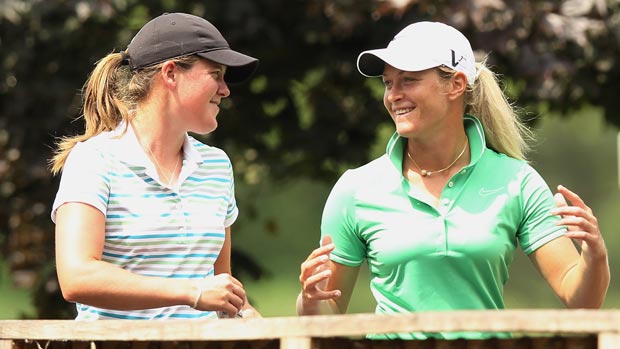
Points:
(223, 89)
(394, 93)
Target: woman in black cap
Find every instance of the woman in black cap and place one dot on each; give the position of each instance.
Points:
(143, 211)
(439, 217)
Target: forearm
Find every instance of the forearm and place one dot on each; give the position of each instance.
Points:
(103, 285)
(585, 285)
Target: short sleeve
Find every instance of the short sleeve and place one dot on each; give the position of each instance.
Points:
(84, 179)
(339, 222)
(232, 211)
(538, 225)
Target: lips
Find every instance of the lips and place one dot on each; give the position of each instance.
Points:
(402, 111)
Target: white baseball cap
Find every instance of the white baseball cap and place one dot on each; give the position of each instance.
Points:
(421, 46)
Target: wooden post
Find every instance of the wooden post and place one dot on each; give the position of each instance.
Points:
(296, 343)
(609, 340)
(6, 344)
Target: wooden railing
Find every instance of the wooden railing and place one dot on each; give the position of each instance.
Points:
(547, 329)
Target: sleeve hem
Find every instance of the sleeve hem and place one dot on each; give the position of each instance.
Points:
(228, 222)
(345, 261)
(552, 236)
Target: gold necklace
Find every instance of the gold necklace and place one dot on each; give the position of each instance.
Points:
(426, 173)
(168, 180)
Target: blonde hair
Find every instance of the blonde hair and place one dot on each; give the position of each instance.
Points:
(108, 95)
(503, 128)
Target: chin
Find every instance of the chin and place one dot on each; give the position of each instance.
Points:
(404, 131)
(205, 129)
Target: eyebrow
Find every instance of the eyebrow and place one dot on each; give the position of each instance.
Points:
(399, 72)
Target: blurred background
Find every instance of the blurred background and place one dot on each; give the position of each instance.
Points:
(305, 117)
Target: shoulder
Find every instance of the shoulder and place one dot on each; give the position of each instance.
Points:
(92, 148)
(378, 167)
(208, 153)
(375, 175)
(520, 176)
(494, 161)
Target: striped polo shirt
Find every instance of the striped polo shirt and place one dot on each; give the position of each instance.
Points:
(151, 229)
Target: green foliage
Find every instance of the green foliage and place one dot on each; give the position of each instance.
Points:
(14, 303)
(306, 113)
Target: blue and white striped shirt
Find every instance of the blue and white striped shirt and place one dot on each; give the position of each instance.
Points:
(152, 229)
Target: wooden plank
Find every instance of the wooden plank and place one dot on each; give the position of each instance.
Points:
(587, 342)
(296, 343)
(518, 321)
(609, 340)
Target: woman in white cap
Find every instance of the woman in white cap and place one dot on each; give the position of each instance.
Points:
(439, 216)
(143, 211)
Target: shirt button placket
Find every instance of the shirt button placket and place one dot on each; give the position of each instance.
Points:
(178, 207)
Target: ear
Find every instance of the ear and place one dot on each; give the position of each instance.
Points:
(458, 85)
(169, 73)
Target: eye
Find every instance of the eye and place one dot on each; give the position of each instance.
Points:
(387, 83)
(216, 74)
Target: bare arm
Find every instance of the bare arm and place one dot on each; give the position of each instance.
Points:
(85, 278)
(223, 266)
(580, 280)
(326, 286)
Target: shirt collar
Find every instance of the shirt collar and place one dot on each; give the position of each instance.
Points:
(129, 150)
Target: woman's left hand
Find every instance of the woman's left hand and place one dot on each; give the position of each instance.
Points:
(581, 223)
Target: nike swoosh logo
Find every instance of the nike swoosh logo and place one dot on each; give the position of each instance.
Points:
(487, 192)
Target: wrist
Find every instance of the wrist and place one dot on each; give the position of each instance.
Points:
(195, 295)
(308, 306)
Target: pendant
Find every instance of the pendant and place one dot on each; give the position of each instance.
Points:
(425, 173)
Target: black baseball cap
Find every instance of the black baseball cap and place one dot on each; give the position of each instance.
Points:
(172, 35)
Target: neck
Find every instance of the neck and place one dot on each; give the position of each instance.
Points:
(156, 134)
(167, 156)
(444, 161)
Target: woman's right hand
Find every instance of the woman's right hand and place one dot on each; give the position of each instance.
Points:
(221, 292)
(315, 274)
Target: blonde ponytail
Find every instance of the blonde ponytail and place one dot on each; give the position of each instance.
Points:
(109, 94)
(103, 109)
(504, 131)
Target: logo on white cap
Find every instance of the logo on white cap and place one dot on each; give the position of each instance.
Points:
(421, 46)
(455, 62)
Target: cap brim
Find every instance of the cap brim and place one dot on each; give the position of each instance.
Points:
(240, 67)
(370, 64)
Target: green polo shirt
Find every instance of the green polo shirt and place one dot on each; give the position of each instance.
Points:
(451, 257)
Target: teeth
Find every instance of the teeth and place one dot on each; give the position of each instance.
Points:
(402, 111)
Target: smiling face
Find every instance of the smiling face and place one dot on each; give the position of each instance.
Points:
(416, 101)
(201, 90)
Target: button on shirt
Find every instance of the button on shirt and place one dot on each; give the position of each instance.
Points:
(151, 229)
(449, 257)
